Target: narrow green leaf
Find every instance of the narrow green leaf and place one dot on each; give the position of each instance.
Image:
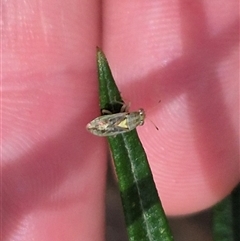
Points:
(144, 215)
(226, 218)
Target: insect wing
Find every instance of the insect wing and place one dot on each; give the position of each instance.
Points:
(113, 124)
(107, 125)
(118, 123)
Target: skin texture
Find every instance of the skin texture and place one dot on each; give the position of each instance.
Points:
(184, 53)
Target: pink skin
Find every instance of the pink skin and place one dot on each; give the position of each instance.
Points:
(184, 53)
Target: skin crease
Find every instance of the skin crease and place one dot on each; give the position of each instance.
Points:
(182, 53)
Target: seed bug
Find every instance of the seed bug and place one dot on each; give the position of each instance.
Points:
(114, 124)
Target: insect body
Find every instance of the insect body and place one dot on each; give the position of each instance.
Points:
(113, 124)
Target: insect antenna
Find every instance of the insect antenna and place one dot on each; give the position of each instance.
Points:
(150, 119)
(154, 125)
